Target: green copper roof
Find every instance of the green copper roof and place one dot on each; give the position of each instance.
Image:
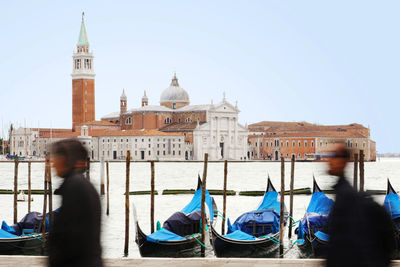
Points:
(83, 39)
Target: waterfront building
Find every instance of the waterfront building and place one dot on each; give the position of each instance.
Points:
(208, 128)
(303, 141)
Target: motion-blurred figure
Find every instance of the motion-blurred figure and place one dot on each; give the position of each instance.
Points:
(360, 230)
(74, 238)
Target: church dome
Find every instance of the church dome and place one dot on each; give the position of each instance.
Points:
(174, 93)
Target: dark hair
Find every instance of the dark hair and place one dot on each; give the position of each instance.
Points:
(342, 152)
(71, 149)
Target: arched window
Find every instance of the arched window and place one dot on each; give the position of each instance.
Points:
(167, 120)
(188, 120)
(128, 120)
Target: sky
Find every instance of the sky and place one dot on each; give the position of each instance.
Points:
(326, 62)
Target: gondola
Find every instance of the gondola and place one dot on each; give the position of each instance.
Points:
(311, 232)
(181, 235)
(392, 206)
(254, 234)
(23, 238)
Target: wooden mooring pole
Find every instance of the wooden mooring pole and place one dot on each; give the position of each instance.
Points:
(50, 190)
(224, 200)
(152, 197)
(29, 187)
(16, 189)
(355, 175)
(44, 207)
(291, 197)
(108, 188)
(203, 206)
(128, 162)
(102, 176)
(281, 218)
(361, 170)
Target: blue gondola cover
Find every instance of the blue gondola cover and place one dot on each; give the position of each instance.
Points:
(239, 235)
(261, 221)
(392, 205)
(5, 234)
(188, 213)
(163, 235)
(270, 200)
(321, 235)
(317, 214)
(195, 204)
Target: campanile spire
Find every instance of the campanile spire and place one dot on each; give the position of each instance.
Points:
(83, 97)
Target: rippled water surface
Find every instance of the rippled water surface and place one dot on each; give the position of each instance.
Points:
(242, 176)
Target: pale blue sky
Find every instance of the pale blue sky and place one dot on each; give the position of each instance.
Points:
(328, 62)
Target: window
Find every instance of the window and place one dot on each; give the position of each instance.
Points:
(158, 152)
(115, 140)
(363, 144)
(281, 143)
(122, 140)
(312, 143)
(320, 143)
(164, 152)
(305, 143)
(299, 155)
(163, 145)
(128, 121)
(149, 145)
(287, 143)
(271, 143)
(293, 143)
(174, 105)
(299, 145)
(135, 152)
(158, 145)
(188, 120)
(357, 144)
(173, 152)
(256, 143)
(135, 140)
(173, 145)
(142, 140)
(149, 152)
(179, 152)
(266, 144)
(167, 121)
(127, 140)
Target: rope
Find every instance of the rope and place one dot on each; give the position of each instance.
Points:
(273, 239)
(35, 237)
(298, 240)
(194, 236)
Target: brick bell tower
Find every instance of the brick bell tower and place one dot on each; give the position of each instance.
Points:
(83, 105)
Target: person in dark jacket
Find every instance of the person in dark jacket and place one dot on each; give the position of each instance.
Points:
(361, 232)
(74, 238)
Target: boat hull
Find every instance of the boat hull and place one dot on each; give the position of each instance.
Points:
(171, 249)
(26, 245)
(229, 248)
(316, 248)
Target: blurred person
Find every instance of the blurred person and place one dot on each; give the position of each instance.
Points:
(360, 230)
(74, 238)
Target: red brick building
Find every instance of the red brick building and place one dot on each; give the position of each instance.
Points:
(303, 141)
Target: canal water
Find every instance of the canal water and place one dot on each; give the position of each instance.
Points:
(242, 176)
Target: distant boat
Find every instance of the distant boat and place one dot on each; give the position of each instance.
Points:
(311, 232)
(180, 236)
(392, 206)
(254, 234)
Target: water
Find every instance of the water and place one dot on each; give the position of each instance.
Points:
(242, 176)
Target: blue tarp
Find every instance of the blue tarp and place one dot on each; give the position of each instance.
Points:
(239, 235)
(270, 200)
(195, 204)
(163, 235)
(392, 205)
(5, 234)
(322, 236)
(317, 214)
(257, 218)
(320, 203)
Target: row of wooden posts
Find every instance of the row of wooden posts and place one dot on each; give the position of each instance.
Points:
(48, 194)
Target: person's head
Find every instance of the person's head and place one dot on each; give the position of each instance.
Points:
(338, 159)
(68, 155)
